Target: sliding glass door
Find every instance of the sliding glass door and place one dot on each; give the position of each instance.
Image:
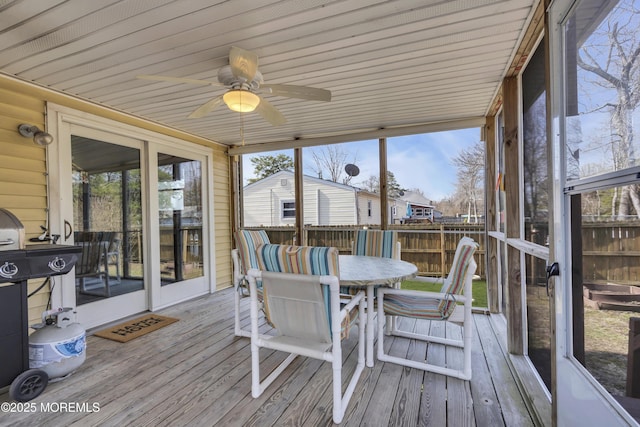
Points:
(137, 203)
(178, 216)
(104, 184)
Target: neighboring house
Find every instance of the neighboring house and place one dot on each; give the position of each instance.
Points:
(271, 202)
(413, 207)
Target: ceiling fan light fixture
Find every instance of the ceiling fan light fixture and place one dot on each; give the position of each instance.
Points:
(241, 100)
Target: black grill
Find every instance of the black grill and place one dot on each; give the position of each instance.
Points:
(36, 261)
(18, 266)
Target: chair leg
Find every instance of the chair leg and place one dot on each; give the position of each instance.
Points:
(338, 410)
(340, 401)
(238, 330)
(465, 344)
(118, 266)
(257, 386)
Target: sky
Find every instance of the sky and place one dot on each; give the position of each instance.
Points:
(417, 161)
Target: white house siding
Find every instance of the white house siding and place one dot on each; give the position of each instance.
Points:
(335, 206)
(262, 201)
(325, 203)
(363, 208)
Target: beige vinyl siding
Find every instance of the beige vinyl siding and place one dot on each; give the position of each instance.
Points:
(23, 166)
(222, 218)
(23, 180)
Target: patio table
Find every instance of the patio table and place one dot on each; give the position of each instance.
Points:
(369, 272)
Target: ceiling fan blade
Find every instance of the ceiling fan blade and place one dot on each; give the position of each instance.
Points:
(244, 63)
(301, 92)
(178, 80)
(270, 113)
(206, 108)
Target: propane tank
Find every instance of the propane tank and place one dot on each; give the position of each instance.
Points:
(58, 345)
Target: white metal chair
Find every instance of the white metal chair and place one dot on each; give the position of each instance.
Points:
(244, 258)
(435, 306)
(305, 310)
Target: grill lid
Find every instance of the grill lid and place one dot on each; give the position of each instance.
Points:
(11, 231)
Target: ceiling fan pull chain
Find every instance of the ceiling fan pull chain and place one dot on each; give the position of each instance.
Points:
(242, 128)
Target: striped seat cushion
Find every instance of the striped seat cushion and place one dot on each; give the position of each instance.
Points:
(411, 306)
(427, 307)
(313, 260)
(454, 285)
(247, 241)
(380, 243)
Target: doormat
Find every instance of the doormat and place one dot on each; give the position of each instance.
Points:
(135, 328)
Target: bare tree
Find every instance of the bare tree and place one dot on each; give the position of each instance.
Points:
(534, 150)
(470, 163)
(332, 159)
(612, 57)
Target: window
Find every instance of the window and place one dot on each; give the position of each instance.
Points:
(288, 209)
(369, 208)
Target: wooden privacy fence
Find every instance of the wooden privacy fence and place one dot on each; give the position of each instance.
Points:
(430, 247)
(611, 252)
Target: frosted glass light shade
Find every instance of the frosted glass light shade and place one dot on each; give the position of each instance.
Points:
(241, 101)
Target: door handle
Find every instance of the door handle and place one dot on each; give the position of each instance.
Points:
(67, 226)
(552, 270)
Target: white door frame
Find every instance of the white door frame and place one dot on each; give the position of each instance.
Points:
(169, 294)
(578, 398)
(60, 119)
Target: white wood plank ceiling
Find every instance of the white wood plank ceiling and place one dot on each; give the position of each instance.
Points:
(388, 64)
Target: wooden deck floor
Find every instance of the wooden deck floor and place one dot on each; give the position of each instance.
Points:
(196, 372)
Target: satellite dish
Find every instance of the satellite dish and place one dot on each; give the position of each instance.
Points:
(352, 170)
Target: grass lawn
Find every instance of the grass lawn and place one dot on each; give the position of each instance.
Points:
(479, 290)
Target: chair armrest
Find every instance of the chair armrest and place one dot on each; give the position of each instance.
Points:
(355, 300)
(422, 294)
(427, 279)
(237, 275)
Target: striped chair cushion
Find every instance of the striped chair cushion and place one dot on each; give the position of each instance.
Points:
(411, 306)
(380, 243)
(454, 285)
(314, 260)
(427, 307)
(376, 243)
(247, 241)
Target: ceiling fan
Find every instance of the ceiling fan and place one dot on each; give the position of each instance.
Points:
(245, 84)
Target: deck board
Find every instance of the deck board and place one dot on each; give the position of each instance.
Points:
(196, 372)
(485, 402)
